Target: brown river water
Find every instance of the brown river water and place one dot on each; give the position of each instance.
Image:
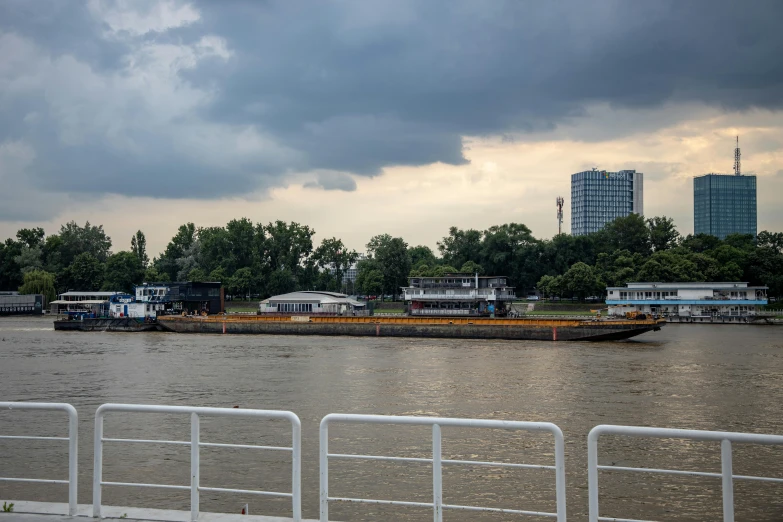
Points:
(711, 377)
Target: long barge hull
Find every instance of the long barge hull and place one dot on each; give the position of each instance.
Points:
(441, 327)
(106, 325)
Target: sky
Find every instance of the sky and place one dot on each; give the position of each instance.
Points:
(361, 117)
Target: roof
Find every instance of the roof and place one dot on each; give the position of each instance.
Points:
(457, 274)
(307, 296)
(85, 302)
(706, 285)
(101, 294)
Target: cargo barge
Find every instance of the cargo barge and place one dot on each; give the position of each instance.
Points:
(106, 324)
(544, 329)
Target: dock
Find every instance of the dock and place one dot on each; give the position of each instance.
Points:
(27, 511)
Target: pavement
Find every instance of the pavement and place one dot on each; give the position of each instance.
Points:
(25, 511)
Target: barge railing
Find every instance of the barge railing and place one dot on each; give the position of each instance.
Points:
(73, 445)
(438, 461)
(726, 475)
(195, 444)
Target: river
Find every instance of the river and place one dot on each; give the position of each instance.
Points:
(711, 377)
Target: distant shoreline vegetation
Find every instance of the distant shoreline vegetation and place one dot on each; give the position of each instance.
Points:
(255, 260)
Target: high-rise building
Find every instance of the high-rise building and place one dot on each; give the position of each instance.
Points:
(599, 197)
(724, 204)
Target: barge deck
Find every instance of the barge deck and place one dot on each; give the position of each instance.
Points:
(543, 329)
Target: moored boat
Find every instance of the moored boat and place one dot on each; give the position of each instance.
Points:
(544, 329)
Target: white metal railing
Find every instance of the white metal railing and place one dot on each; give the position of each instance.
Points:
(437, 461)
(73, 445)
(440, 311)
(458, 295)
(724, 437)
(195, 444)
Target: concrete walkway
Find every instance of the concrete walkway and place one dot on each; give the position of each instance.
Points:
(54, 512)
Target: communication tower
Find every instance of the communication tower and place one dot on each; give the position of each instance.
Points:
(737, 159)
(560, 202)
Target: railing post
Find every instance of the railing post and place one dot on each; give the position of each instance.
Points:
(323, 448)
(592, 474)
(560, 482)
(728, 484)
(194, 467)
(296, 471)
(437, 475)
(97, 469)
(73, 460)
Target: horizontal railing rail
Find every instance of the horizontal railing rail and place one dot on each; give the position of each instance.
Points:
(195, 444)
(73, 445)
(726, 474)
(437, 461)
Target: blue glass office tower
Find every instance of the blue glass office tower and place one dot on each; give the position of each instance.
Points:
(599, 197)
(724, 204)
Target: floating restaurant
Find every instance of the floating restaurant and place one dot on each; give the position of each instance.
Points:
(91, 303)
(688, 302)
(459, 294)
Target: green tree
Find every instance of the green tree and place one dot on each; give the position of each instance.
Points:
(29, 259)
(502, 246)
(663, 233)
(669, 267)
(422, 254)
(189, 262)
(31, 237)
(214, 249)
(422, 270)
(242, 282)
(197, 275)
(123, 271)
(773, 240)
(625, 233)
(281, 281)
(219, 275)
(544, 285)
(391, 254)
(139, 247)
(52, 254)
(241, 237)
(166, 264)
(442, 270)
(472, 267)
(89, 239)
(85, 273)
(39, 282)
(460, 246)
(333, 259)
(700, 243)
(151, 275)
(370, 281)
(288, 247)
(581, 280)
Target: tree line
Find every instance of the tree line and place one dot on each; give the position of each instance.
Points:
(278, 257)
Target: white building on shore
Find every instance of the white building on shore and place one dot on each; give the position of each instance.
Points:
(688, 302)
(312, 302)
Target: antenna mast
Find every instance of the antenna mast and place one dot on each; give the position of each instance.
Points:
(737, 171)
(559, 202)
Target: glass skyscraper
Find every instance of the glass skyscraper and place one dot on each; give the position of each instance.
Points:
(724, 204)
(599, 197)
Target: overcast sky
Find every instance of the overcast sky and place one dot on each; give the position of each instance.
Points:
(360, 118)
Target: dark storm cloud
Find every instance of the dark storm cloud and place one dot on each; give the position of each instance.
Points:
(358, 86)
(333, 181)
